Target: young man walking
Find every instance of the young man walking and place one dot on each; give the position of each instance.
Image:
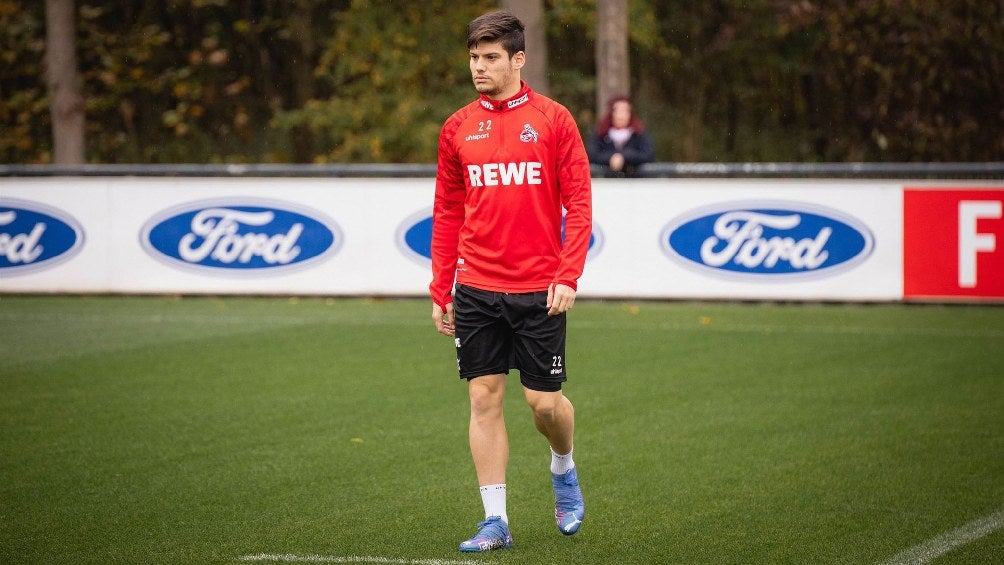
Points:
(509, 162)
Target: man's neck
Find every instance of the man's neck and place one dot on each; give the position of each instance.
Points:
(510, 91)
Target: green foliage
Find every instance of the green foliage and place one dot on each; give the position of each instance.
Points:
(24, 118)
(849, 81)
(919, 80)
(186, 81)
(355, 81)
(388, 88)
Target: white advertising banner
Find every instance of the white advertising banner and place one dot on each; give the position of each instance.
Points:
(769, 239)
(747, 239)
(225, 235)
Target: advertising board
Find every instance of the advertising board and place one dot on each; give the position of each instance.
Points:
(714, 239)
(953, 243)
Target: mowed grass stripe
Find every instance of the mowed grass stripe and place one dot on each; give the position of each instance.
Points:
(338, 428)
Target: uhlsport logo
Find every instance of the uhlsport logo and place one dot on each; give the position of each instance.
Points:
(241, 236)
(34, 236)
(414, 238)
(767, 240)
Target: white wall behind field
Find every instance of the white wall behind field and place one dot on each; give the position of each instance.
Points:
(779, 239)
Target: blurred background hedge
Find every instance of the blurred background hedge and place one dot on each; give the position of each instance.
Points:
(299, 81)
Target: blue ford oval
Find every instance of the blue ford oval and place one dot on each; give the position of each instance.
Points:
(240, 236)
(767, 239)
(416, 237)
(35, 236)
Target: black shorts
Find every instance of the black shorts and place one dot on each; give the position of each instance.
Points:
(498, 331)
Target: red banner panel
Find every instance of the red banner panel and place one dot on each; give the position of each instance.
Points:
(953, 243)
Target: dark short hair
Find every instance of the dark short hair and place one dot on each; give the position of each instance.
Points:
(497, 27)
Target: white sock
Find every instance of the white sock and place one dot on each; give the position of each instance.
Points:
(493, 498)
(561, 464)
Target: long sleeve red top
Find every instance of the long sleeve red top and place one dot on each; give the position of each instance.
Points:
(506, 170)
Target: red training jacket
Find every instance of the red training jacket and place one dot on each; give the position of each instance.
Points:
(506, 169)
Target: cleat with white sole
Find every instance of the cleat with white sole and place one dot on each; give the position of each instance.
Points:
(493, 533)
(569, 508)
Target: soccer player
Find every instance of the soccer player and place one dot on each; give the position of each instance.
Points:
(509, 162)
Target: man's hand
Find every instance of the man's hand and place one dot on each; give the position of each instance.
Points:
(560, 299)
(444, 320)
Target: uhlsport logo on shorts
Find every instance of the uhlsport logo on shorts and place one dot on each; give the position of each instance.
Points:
(35, 236)
(767, 240)
(240, 237)
(414, 238)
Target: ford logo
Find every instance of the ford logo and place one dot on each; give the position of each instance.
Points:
(34, 236)
(767, 239)
(414, 238)
(243, 236)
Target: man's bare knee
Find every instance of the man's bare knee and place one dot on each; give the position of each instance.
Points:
(547, 405)
(486, 394)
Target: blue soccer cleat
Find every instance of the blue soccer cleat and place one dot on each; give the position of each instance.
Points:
(569, 509)
(493, 533)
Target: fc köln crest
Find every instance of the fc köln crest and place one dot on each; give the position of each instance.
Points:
(529, 134)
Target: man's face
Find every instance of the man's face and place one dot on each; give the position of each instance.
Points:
(493, 72)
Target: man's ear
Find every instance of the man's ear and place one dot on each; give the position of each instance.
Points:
(518, 60)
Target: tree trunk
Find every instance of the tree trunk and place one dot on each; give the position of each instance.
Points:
(66, 101)
(612, 66)
(531, 13)
(692, 126)
(303, 77)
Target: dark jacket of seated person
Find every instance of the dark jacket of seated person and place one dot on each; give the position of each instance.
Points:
(620, 143)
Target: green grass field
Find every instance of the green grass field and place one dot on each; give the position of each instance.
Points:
(214, 430)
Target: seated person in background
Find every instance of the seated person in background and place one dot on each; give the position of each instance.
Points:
(620, 142)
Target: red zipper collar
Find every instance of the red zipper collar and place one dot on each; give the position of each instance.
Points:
(521, 97)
